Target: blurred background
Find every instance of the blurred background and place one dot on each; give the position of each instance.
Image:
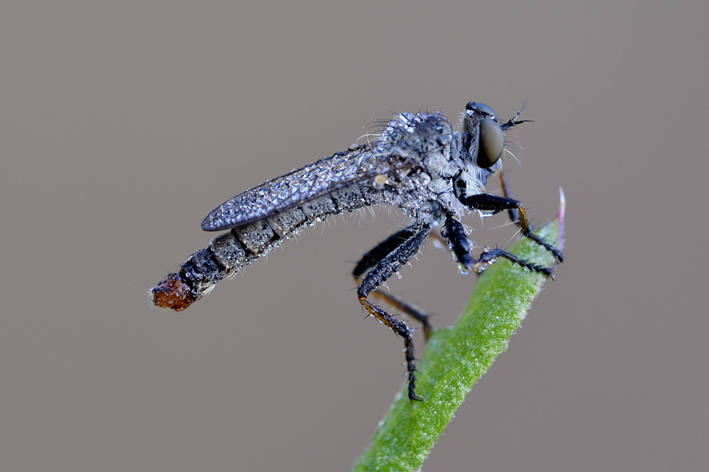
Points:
(124, 123)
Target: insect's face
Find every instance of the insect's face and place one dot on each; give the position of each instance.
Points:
(488, 140)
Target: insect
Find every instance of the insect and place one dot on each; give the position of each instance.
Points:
(419, 163)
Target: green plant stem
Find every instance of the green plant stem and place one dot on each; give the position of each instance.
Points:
(457, 357)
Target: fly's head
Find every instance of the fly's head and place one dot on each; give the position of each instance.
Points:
(483, 140)
(485, 136)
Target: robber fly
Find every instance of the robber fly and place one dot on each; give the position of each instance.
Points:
(419, 163)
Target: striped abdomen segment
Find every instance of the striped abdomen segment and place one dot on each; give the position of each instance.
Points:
(230, 252)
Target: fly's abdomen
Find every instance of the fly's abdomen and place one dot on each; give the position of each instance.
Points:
(201, 272)
(229, 253)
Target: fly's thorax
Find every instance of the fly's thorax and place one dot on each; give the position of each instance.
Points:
(441, 187)
(415, 135)
(440, 164)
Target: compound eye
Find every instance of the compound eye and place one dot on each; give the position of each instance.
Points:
(492, 141)
(481, 109)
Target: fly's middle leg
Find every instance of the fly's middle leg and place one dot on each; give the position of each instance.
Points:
(461, 245)
(386, 259)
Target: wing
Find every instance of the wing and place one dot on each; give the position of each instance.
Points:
(290, 190)
(402, 145)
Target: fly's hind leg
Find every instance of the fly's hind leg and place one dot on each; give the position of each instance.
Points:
(386, 259)
(373, 257)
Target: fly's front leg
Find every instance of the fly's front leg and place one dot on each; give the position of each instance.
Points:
(496, 204)
(514, 215)
(461, 246)
(507, 194)
(373, 257)
(401, 249)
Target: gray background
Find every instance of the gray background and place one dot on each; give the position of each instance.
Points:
(123, 123)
